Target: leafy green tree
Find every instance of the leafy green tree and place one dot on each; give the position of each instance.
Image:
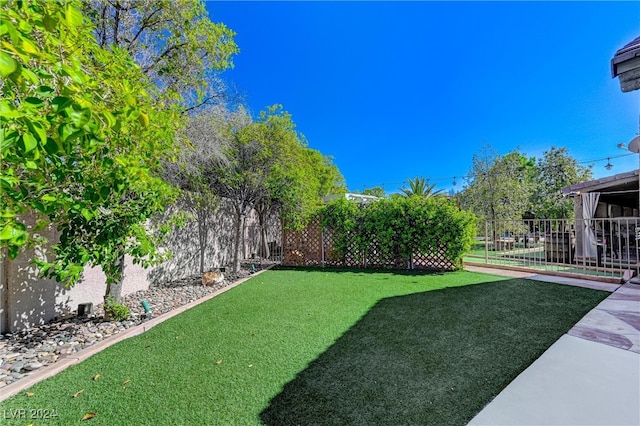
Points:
(241, 175)
(498, 187)
(419, 186)
(268, 167)
(554, 171)
(82, 138)
(173, 41)
(376, 191)
(204, 141)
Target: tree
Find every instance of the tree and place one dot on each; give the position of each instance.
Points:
(82, 140)
(376, 191)
(498, 187)
(193, 171)
(268, 167)
(554, 171)
(173, 41)
(419, 186)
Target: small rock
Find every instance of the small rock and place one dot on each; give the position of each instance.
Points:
(33, 366)
(17, 366)
(212, 278)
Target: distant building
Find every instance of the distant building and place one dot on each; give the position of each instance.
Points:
(358, 198)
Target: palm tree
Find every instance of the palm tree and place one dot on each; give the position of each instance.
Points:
(421, 187)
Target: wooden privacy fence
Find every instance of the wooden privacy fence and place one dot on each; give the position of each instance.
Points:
(314, 246)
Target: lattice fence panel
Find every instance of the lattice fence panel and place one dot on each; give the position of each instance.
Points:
(314, 246)
(304, 247)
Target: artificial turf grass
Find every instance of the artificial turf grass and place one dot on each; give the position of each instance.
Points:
(322, 347)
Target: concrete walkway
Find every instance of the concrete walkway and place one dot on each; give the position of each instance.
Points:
(590, 376)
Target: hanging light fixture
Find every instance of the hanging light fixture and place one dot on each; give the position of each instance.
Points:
(608, 166)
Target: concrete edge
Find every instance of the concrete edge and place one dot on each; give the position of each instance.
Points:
(556, 279)
(64, 363)
(610, 280)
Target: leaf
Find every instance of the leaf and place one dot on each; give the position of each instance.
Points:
(75, 395)
(87, 214)
(125, 382)
(29, 394)
(28, 46)
(36, 128)
(96, 377)
(7, 64)
(29, 142)
(219, 362)
(73, 16)
(143, 119)
(9, 232)
(34, 102)
(60, 103)
(51, 146)
(45, 91)
(89, 415)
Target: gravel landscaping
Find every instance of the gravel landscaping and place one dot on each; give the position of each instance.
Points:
(26, 352)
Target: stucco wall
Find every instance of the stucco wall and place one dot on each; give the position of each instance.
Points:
(26, 300)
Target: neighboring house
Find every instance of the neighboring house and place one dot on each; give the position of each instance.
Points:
(626, 66)
(358, 198)
(614, 198)
(27, 300)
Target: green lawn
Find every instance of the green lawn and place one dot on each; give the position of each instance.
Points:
(321, 347)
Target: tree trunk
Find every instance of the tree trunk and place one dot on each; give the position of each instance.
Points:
(236, 243)
(264, 247)
(114, 289)
(203, 234)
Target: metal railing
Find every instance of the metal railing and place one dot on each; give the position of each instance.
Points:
(598, 248)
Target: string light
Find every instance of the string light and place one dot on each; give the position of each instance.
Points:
(608, 166)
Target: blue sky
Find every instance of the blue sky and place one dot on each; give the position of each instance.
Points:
(394, 90)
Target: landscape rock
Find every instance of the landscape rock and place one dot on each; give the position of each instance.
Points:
(25, 352)
(212, 278)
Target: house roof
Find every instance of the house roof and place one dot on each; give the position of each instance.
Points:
(629, 51)
(358, 198)
(620, 189)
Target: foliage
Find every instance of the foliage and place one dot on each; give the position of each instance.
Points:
(268, 166)
(556, 170)
(116, 311)
(400, 227)
(194, 169)
(81, 139)
(173, 41)
(498, 187)
(376, 191)
(419, 186)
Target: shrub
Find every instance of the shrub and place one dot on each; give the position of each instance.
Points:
(400, 227)
(116, 311)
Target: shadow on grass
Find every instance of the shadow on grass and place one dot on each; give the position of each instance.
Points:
(431, 358)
